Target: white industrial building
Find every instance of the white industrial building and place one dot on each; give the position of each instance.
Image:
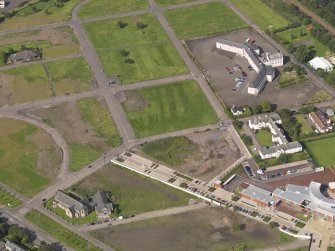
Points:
(263, 67)
(321, 63)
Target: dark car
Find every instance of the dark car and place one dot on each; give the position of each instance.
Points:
(244, 74)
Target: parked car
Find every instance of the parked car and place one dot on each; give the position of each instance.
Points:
(244, 74)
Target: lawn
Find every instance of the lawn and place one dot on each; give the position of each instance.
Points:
(39, 12)
(322, 151)
(53, 42)
(320, 96)
(172, 2)
(22, 146)
(8, 199)
(264, 138)
(168, 108)
(81, 155)
(301, 35)
(135, 54)
(59, 232)
(69, 76)
(306, 128)
(105, 7)
(131, 193)
(264, 17)
(98, 116)
(202, 20)
(171, 151)
(287, 80)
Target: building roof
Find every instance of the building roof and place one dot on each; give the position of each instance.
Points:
(319, 119)
(102, 201)
(276, 55)
(69, 201)
(257, 193)
(320, 62)
(12, 246)
(23, 55)
(330, 112)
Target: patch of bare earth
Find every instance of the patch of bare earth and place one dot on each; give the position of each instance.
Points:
(66, 119)
(134, 102)
(6, 88)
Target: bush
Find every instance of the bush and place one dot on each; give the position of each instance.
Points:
(129, 61)
(121, 24)
(124, 53)
(237, 124)
(273, 224)
(246, 139)
(141, 25)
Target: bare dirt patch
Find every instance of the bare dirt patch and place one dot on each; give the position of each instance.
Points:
(6, 88)
(134, 102)
(206, 229)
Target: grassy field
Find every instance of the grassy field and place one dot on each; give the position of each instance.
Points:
(152, 54)
(59, 232)
(295, 36)
(320, 96)
(54, 42)
(131, 193)
(23, 153)
(8, 199)
(69, 76)
(167, 108)
(287, 80)
(199, 20)
(206, 229)
(105, 7)
(321, 151)
(264, 17)
(264, 138)
(81, 155)
(39, 12)
(171, 150)
(172, 2)
(306, 128)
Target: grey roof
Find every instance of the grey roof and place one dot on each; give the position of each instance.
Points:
(330, 112)
(24, 55)
(252, 46)
(12, 246)
(231, 43)
(69, 201)
(275, 55)
(102, 201)
(258, 193)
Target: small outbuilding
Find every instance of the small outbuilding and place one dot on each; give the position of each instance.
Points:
(321, 63)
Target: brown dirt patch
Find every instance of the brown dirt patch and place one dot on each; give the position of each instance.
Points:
(6, 88)
(134, 102)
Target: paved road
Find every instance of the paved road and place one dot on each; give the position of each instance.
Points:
(13, 192)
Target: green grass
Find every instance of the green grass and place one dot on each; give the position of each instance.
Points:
(81, 155)
(69, 76)
(321, 150)
(172, 2)
(320, 96)
(19, 154)
(59, 232)
(264, 138)
(132, 193)
(286, 35)
(286, 80)
(305, 128)
(171, 107)
(47, 13)
(300, 224)
(171, 151)
(8, 199)
(264, 17)
(106, 7)
(204, 19)
(275, 161)
(98, 116)
(285, 238)
(153, 54)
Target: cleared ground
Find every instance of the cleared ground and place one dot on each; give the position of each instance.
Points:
(105, 7)
(39, 12)
(29, 158)
(131, 193)
(86, 126)
(54, 42)
(139, 51)
(214, 65)
(322, 151)
(204, 19)
(265, 17)
(206, 229)
(200, 155)
(33, 82)
(167, 108)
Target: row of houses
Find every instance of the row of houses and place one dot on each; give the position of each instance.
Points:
(321, 121)
(315, 199)
(262, 65)
(281, 144)
(80, 208)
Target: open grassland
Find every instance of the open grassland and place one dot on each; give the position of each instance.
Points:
(38, 12)
(168, 108)
(305, 127)
(205, 229)
(105, 7)
(301, 36)
(131, 193)
(322, 151)
(53, 42)
(265, 17)
(201, 20)
(172, 2)
(264, 138)
(29, 158)
(8, 199)
(59, 232)
(133, 53)
(69, 76)
(86, 126)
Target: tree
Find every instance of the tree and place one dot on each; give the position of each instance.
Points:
(3, 229)
(129, 61)
(141, 25)
(46, 247)
(19, 235)
(257, 109)
(121, 24)
(240, 247)
(124, 53)
(246, 139)
(283, 158)
(266, 106)
(236, 227)
(237, 124)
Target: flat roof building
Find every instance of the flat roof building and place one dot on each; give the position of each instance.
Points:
(260, 196)
(321, 63)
